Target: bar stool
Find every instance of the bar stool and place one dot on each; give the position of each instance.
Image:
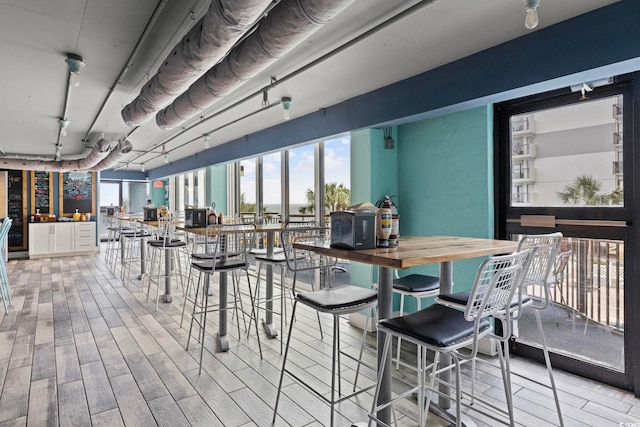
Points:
(5, 289)
(446, 330)
(230, 243)
(336, 301)
(133, 241)
(119, 223)
(542, 263)
(166, 248)
(279, 260)
(413, 285)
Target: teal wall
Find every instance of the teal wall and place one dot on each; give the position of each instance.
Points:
(445, 182)
(217, 187)
(442, 171)
(159, 194)
(374, 173)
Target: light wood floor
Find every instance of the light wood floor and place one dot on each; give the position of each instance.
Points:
(80, 348)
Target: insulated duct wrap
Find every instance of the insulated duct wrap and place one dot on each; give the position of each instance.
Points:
(203, 46)
(99, 152)
(285, 27)
(123, 148)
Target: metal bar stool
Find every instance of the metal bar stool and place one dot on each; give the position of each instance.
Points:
(5, 289)
(229, 243)
(336, 301)
(278, 260)
(166, 248)
(542, 263)
(446, 330)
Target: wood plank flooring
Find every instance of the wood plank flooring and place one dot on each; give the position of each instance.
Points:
(81, 348)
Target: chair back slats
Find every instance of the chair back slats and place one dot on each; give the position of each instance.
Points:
(230, 240)
(547, 246)
(496, 283)
(4, 229)
(542, 263)
(561, 263)
(303, 260)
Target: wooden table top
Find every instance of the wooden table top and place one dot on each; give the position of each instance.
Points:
(260, 228)
(155, 223)
(419, 250)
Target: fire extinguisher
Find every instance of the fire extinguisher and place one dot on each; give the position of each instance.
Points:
(387, 203)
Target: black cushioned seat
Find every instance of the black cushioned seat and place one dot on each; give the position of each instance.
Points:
(220, 265)
(338, 298)
(277, 257)
(436, 325)
(416, 283)
(174, 243)
(135, 234)
(202, 257)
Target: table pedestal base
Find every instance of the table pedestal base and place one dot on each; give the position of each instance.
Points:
(223, 342)
(270, 329)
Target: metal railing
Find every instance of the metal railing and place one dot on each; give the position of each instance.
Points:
(592, 285)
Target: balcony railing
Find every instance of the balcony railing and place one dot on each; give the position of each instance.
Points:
(522, 123)
(522, 174)
(617, 167)
(617, 110)
(617, 138)
(523, 147)
(520, 198)
(592, 285)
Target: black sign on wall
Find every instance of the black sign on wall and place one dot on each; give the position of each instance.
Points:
(77, 192)
(42, 192)
(17, 209)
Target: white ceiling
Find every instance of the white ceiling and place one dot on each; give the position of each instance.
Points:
(36, 35)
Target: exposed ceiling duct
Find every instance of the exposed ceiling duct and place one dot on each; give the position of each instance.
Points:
(203, 46)
(123, 148)
(285, 27)
(101, 157)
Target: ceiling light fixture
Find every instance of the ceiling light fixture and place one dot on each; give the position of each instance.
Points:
(63, 123)
(165, 154)
(286, 107)
(58, 152)
(75, 65)
(531, 6)
(142, 167)
(206, 137)
(265, 99)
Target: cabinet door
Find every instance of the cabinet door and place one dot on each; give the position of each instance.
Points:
(40, 236)
(64, 238)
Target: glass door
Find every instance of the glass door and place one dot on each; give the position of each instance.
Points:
(560, 168)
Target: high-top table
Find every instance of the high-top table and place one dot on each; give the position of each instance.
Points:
(271, 230)
(412, 252)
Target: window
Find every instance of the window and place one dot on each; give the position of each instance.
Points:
(569, 155)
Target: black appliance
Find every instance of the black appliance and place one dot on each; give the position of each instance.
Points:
(111, 211)
(353, 230)
(195, 218)
(150, 214)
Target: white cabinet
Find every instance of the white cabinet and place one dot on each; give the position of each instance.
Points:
(61, 238)
(85, 236)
